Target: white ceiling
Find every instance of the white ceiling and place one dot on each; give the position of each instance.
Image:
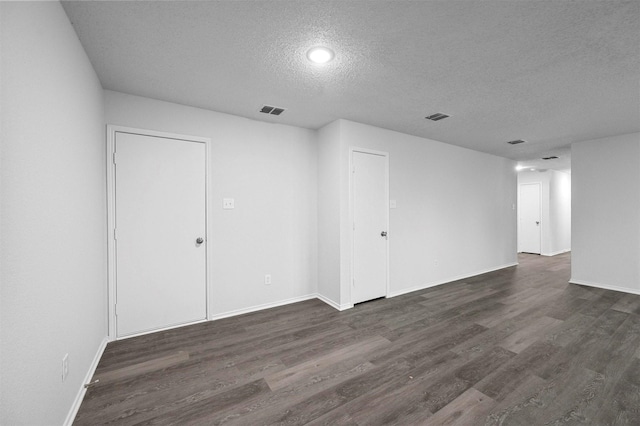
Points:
(548, 72)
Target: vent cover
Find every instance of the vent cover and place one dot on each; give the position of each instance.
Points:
(437, 116)
(271, 110)
(553, 157)
(516, 142)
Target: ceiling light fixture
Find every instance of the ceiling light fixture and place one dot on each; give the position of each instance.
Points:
(320, 55)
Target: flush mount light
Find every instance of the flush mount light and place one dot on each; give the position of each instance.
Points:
(320, 55)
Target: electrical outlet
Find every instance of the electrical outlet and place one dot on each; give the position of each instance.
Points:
(228, 203)
(267, 279)
(65, 367)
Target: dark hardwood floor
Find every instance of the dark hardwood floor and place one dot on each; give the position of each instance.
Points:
(519, 346)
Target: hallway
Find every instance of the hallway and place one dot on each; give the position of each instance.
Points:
(511, 347)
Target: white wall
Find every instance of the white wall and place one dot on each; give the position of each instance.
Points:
(606, 212)
(454, 215)
(271, 172)
(329, 213)
(555, 220)
(560, 212)
(53, 217)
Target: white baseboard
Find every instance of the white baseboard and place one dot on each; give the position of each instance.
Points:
(555, 253)
(605, 286)
(334, 304)
(262, 307)
(80, 396)
(156, 330)
(448, 280)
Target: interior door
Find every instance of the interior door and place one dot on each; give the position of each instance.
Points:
(370, 219)
(160, 231)
(529, 210)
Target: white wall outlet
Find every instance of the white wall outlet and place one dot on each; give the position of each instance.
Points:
(65, 367)
(267, 279)
(228, 203)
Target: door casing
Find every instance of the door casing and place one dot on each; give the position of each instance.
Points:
(111, 211)
(352, 216)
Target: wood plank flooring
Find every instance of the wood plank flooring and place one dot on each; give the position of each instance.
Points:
(519, 346)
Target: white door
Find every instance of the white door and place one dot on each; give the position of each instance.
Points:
(370, 219)
(529, 209)
(159, 219)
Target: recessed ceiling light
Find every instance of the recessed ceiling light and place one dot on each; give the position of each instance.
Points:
(320, 55)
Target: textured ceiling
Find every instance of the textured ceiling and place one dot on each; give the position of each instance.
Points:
(548, 72)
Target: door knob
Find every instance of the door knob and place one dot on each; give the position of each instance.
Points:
(537, 223)
(199, 240)
(383, 234)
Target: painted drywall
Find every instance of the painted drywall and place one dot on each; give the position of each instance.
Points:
(329, 213)
(605, 208)
(455, 213)
(53, 228)
(560, 212)
(270, 170)
(555, 220)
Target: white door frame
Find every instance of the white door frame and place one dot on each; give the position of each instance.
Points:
(111, 212)
(352, 215)
(520, 213)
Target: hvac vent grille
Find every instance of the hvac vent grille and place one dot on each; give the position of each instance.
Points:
(437, 116)
(516, 142)
(553, 157)
(267, 109)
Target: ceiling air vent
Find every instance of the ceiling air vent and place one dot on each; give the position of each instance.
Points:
(272, 110)
(516, 142)
(437, 116)
(553, 157)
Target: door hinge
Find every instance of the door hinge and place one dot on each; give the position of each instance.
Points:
(115, 309)
(115, 233)
(353, 168)
(114, 158)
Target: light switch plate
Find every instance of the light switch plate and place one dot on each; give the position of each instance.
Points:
(228, 203)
